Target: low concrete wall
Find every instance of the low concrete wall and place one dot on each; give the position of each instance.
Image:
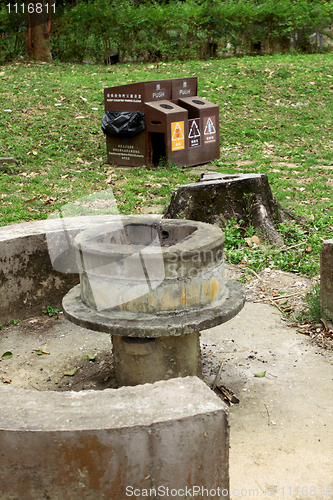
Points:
(28, 281)
(115, 444)
(326, 278)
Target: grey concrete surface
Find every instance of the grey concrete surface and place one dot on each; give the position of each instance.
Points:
(107, 444)
(138, 324)
(144, 361)
(281, 432)
(187, 287)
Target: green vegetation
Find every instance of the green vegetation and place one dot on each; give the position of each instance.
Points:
(300, 253)
(11, 322)
(50, 311)
(313, 310)
(174, 30)
(275, 118)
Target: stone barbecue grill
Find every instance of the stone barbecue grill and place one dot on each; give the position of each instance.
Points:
(152, 285)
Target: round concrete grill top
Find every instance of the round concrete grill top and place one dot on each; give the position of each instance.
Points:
(150, 278)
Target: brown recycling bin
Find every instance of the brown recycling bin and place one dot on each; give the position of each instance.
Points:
(181, 127)
(203, 130)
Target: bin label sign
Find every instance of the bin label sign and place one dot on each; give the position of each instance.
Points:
(177, 135)
(209, 129)
(194, 134)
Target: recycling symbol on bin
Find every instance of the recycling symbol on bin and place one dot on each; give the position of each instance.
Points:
(177, 136)
(209, 130)
(178, 133)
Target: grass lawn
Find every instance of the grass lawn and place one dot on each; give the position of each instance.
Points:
(275, 118)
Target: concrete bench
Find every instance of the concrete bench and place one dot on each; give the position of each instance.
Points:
(114, 444)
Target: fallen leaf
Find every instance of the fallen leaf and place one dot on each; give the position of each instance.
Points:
(249, 241)
(306, 332)
(91, 357)
(71, 372)
(7, 355)
(35, 153)
(6, 381)
(40, 351)
(255, 240)
(260, 374)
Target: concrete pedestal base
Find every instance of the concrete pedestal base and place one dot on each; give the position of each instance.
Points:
(146, 360)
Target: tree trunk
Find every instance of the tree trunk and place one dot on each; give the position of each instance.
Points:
(39, 16)
(217, 198)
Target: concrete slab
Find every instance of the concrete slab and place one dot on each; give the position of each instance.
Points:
(281, 432)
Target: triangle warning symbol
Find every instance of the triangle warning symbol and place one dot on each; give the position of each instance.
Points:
(209, 128)
(194, 131)
(178, 133)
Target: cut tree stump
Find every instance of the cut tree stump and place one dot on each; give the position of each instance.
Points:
(218, 198)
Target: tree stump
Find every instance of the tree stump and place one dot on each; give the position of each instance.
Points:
(218, 198)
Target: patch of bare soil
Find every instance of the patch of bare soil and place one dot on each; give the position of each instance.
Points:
(283, 290)
(53, 354)
(287, 292)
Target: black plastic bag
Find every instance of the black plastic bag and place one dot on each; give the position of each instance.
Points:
(125, 124)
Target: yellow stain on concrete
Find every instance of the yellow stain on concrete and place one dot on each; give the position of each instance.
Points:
(183, 297)
(213, 289)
